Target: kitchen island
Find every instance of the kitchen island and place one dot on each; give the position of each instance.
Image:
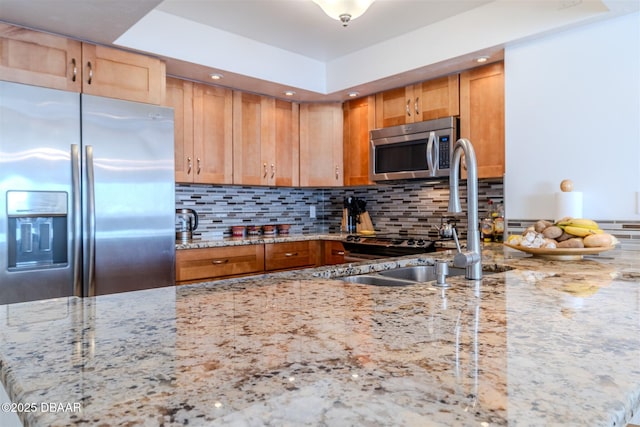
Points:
(538, 342)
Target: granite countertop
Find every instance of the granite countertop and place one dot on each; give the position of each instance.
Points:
(204, 242)
(544, 343)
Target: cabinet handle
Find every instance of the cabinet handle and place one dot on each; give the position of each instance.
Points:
(264, 166)
(273, 170)
(219, 261)
(337, 173)
(408, 107)
(416, 105)
(189, 165)
(75, 69)
(340, 253)
(290, 254)
(198, 160)
(90, 78)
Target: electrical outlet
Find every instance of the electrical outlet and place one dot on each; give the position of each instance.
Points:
(312, 211)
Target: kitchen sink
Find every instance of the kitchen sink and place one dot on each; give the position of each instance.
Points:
(367, 279)
(405, 276)
(419, 273)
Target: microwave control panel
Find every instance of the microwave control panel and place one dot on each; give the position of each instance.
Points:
(444, 152)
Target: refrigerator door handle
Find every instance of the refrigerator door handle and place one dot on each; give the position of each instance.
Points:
(76, 219)
(90, 261)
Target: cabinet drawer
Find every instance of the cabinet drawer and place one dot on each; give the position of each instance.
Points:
(281, 256)
(212, 263)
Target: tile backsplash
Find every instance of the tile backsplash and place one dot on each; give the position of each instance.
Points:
(401, 207)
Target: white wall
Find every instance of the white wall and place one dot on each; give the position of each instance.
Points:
(573, 111)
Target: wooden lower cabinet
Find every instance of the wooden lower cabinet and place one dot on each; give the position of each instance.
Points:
(288, 255)
(215, 263)
(197, 265)
(332, 252)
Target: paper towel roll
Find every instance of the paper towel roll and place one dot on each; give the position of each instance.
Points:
(569, 204)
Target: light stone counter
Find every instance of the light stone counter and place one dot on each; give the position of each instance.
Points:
(199, 243)
(546, 343)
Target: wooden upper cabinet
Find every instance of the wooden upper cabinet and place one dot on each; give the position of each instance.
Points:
(287, 124)
(179, 96)
(40, 59)
(321, 162)
(393, 107)
(119, 74)
(482, 116)
(265, 141)
(428, 100)
(437, 98)
(212, 134)
(202, 132)
(253, 139)
(359, 119)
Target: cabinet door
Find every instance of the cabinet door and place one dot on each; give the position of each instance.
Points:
(287, 128)
(333, 253)
(394, 107)
(40, 59)
(180, 98)
(321, 145)
(119, 74)
(214, 263)
(359, 117)
(253, 139)
(212, 134)
(437, 98)
(482, 116)
(282, 256)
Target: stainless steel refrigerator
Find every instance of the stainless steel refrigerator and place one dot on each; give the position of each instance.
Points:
(87, 202)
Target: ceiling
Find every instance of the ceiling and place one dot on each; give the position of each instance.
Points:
(269, 46)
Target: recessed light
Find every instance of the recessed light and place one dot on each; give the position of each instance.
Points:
(216, 76)
(353, 94)
(482, 59)
(289, 92)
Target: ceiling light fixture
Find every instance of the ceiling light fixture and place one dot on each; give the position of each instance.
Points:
(353, 94)
(289, 92)
(215, 76)
(344, 10)
(482, 59)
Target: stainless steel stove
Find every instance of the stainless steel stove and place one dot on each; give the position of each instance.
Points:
(359, 248)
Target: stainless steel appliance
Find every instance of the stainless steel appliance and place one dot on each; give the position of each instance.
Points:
(360, 248)
(86, 194)
(416, 150)
(186, 224)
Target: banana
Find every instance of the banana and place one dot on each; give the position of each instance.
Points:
(584, 223)
(581, 231)
(579, 222)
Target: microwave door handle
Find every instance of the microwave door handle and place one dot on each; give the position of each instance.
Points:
(431, 149)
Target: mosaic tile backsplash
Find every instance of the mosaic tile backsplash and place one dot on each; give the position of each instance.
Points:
(402, 207)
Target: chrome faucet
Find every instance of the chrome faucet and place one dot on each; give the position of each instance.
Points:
(471, 259)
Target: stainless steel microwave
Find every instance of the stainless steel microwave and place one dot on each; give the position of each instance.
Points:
(416, 150)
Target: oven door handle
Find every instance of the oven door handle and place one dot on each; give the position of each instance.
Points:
(432, 153)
